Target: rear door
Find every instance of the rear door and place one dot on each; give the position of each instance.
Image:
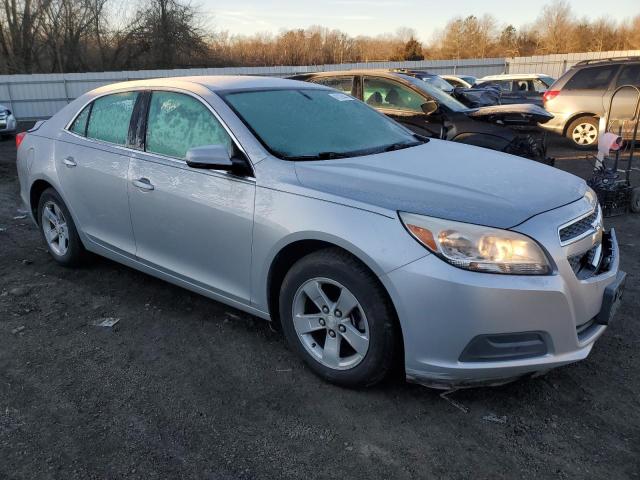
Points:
(194, 224)
(92, 162)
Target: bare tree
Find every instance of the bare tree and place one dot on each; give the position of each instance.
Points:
(20, 22)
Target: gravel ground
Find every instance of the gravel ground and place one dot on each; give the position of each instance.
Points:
(184, 387)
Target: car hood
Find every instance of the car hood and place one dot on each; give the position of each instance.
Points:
(446, 180)
(517, 114)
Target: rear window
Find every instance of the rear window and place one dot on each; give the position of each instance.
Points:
(592, 78)
(344, 84)
(79, 125)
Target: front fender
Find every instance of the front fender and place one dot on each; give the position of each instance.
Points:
(283, 218)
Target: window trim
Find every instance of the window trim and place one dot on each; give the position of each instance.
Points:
(145, 111)
(90, 103)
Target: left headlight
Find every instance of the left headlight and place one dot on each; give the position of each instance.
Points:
(478, 248)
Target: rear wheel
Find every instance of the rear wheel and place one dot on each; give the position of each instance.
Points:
(337, 317)
(583, 132)
(58, 230)
(635, 200)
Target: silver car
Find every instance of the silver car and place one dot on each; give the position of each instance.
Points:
(581, 97)
(8, 123)
(299, 204)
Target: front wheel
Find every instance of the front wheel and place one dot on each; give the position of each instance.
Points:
(337, 317)
(583, 132)
(58, 230)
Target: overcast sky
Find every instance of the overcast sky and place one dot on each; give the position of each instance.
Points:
(371, 17)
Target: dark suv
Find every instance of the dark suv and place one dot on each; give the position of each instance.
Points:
(581, 96)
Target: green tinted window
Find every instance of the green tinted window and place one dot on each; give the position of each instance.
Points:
(178, 122)
(382, 93)
(79, 125)
(110, 116)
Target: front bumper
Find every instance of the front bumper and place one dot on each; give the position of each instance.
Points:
(442, 309)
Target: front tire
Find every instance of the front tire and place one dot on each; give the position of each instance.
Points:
(583, 132)
(58, 230)
(338, 318)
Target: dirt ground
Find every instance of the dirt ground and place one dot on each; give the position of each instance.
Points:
(184, 387)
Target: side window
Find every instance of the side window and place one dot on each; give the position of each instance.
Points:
(630, 75)
(592, 78)
(178, 122)
(344, 84)
(79, 125)
(383, 93)
(110, 117)
(520, 86)
(503, 85)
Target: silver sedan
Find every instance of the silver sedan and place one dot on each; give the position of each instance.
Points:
(299, 204)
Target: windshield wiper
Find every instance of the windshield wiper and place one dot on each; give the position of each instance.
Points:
(319, 156)
(400, 146)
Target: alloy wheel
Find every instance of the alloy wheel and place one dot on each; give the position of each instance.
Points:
(584, 134)
(54, 226)
(330, 323)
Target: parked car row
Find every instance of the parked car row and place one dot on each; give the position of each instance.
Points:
(366, 243)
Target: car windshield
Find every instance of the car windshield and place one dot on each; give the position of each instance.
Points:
(438, 95)
(317, 124)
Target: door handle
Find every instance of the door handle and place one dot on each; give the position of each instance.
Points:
(143, 184)
(69, 162)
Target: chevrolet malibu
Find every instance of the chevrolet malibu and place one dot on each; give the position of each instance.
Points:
(364, 242)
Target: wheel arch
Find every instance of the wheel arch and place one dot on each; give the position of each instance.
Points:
(35, 192)
(574, 117)
(293, 251)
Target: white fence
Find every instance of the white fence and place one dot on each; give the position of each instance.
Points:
(42, 95)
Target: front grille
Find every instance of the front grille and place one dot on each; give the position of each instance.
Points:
(594, 261)
(578, 228)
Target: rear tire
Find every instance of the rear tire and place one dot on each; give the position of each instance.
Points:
(583, 132)
(353, 348)
(58, 230)
(635, 200)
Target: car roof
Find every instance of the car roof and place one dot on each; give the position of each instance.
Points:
(212, 82)
(362, 71)
(514, 76)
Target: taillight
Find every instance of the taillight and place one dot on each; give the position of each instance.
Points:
(19, 138)
(550, 95)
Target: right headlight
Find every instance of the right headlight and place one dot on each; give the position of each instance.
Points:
(478, 248)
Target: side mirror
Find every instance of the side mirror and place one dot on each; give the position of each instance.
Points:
(430, 107)
(213, 157)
